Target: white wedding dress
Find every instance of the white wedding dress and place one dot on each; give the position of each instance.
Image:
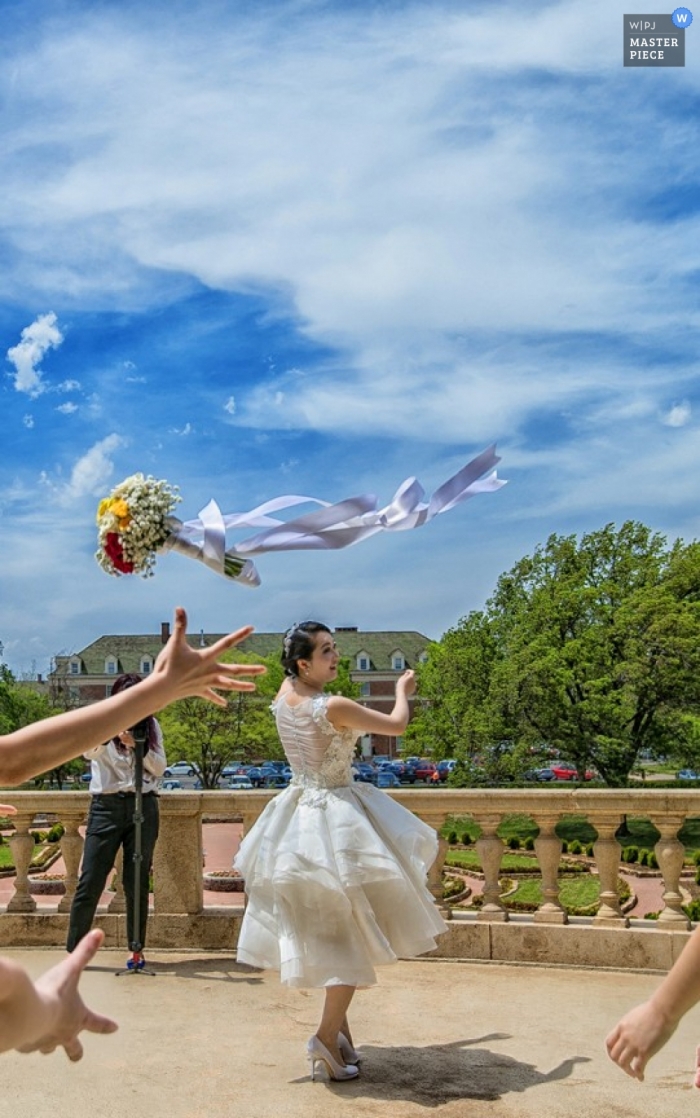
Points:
(335, 871)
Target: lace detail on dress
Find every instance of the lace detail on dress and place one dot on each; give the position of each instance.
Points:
(319, 754)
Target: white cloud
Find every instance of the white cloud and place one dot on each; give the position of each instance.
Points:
(67, 409)
(186, 430)
(678, 416)
(28, 421)
(230, 406)
(68, 386)
(27, 355)
(91, 472)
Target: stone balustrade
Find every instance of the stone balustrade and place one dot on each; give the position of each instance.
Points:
(180, 918)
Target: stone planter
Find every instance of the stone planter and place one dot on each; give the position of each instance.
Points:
(224, 881)
(47, 884)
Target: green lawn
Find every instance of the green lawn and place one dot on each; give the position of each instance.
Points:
(576, 892)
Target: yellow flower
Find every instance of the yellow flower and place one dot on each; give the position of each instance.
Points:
(103, 507)
(120, 508)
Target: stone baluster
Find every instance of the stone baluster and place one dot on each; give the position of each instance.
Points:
(436, 819)
(548, 850)
(490, 850)
(607, 855)
(72, 852)
(22, 847)
(117, 904)
(669, 854)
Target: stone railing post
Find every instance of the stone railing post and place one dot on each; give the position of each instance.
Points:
(607, 855)
(72, 852)
(548, 850)
(22, 847)
(669, 854)
(435, 819)
(117, 904)
(490, 850)
(177, 862)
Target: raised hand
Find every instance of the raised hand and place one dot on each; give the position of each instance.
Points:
(191, 671)
(61, 1005)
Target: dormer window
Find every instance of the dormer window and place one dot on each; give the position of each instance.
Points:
(398, 662)
(146, 665)
(363, 662)
(111, 665)
(74, 666)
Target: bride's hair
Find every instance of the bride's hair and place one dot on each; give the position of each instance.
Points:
(299, 643)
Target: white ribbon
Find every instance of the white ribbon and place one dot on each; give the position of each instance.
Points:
(330, 527)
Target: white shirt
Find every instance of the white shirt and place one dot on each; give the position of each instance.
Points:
(113, 771)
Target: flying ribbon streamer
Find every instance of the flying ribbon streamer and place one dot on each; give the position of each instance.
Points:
(331, 527)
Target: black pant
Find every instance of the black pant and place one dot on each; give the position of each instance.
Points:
(111, 825)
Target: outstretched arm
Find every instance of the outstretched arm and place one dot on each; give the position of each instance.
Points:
(645, 1029)
(49, 1013)
(344, 713)
(180, 671)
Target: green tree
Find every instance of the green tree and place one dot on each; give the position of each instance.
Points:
(590, 646)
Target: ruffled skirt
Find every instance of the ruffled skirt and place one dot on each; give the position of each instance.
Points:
(336, 885)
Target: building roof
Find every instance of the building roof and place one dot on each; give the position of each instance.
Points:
(130, 649)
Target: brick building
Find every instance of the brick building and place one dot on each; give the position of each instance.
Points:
(376, 659)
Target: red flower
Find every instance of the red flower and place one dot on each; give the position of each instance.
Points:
(114, 552)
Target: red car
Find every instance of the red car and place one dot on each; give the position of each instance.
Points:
(564, 771)
(425, 770)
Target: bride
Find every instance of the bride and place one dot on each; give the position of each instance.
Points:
(335, 872)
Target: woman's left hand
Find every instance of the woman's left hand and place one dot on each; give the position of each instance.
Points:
(127, 739)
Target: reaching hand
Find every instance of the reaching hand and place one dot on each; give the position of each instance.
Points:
(637, 1037)
(58, 992)
(198, 671)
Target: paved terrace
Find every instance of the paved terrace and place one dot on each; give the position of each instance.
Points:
(205, 1038)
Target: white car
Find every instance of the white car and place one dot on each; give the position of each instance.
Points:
(240, 783)
(180, 768)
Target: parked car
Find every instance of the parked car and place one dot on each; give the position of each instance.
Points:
(364, 772)
(688, 774)
(235, 770)
(445, 767)
(564, 770)
(425, 770)
(404, 772)
(180, 768)
(387, 779)
(171, 786)
(540, 774)
(240, 783)
(276, 779)
(85, 778)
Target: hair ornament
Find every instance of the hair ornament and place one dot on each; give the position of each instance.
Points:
(287, 643)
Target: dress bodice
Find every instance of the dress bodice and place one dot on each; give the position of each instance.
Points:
(319, 755)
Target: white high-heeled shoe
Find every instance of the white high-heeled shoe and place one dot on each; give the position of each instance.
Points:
(318, 1054)
(349, 1054)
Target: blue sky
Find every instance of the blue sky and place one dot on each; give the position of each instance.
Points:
(318, 248)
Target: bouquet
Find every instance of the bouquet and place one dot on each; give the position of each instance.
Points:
(133, 525)
(136, 522)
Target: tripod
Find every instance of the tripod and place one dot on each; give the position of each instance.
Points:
(136, 964)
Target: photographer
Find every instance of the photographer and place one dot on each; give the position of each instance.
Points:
(111, 825)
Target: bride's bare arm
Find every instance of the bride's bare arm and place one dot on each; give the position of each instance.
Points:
(345, 714)
(179, 672)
